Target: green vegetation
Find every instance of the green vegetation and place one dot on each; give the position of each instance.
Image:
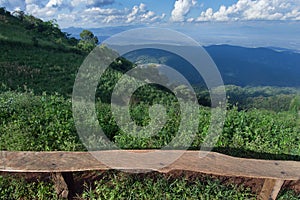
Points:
(26, 29)
(118, 185)
(12, 188)
(40, 123)
(47, 67)
(38, 69)
(31, 122)
(88, 41)
(134, 186)
(38, 66)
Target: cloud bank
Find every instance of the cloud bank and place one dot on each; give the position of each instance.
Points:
(84, 12)
(96, 13)
(253, 10)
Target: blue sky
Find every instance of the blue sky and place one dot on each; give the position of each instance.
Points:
(250, 22)
(99, 13)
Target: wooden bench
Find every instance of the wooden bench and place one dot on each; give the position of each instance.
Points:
(62, 164)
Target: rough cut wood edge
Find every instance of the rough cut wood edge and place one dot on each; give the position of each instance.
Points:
(212, 163)
(61, 185)
(270, 189)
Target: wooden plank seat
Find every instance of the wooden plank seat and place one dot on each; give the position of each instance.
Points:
(62, 164)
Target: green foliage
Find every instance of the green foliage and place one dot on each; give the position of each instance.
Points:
(45, 122)
(88, 41)
(86, 46)
(2, 10)
(38, 69)
(268, 98)
(288, 194)
(37, 123)
(255, 130)
(295, 104)
(19, 27)
(125, 186)
(12, 188)
(261, 131)
(35, 41)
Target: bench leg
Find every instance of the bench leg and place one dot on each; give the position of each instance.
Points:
(270, 189)
(64, 184)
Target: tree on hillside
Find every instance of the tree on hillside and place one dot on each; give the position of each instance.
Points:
(88, 41)
(19, 14)
(2, 10)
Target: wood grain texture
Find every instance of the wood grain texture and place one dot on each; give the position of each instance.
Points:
(212, 163)
(270, 189)
(61, 185)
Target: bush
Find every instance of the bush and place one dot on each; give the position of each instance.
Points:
(40, 123)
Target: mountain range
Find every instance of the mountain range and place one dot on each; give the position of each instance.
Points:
(237, 65)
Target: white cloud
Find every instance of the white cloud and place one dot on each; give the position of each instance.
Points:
(181, 9)
(254, 10)
(54, 3)
(41, 12)
(142, 7)
(141, 14)
(45, 9)
(99, 16)
(67, 17)
(102, 11)
(31, 2)
(75, 3)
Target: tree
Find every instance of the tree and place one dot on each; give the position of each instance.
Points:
(2, 10)
(88, 41)
(19, 14)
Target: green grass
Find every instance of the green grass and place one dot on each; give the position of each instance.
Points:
(120, 185)
(12, 188)
(136, 186)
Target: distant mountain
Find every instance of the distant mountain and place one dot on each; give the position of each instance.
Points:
(238, 65)
(256, 66)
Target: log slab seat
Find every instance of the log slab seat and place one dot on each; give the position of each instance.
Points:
(62, 164)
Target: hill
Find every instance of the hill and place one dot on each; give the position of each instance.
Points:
(242, 66)
(27, 29)
(256, 66)
(238, 65)
(36, 55)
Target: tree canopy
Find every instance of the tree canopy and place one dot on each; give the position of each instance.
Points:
(88, 40)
